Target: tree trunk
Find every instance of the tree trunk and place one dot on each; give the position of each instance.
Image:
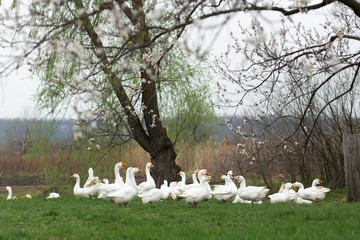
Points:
(352, 166)
(165, 167)
(153, 138)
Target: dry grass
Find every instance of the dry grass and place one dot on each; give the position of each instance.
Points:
(57, 167)
(216, 157)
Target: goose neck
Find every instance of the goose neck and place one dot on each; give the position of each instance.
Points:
(117, 172)
(314, 183)
(128, 174)
(147, 171)
(242, 182)
(77, 183)
(183, 178)
(132, 180)
(10, 192)
(194, 178)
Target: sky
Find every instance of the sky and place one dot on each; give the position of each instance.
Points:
(16, 95)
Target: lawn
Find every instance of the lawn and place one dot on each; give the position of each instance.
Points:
(71, 217)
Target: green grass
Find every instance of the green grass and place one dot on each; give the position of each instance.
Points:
(70, 217)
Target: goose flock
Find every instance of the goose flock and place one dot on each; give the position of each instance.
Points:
(123, 191)
(28, 196)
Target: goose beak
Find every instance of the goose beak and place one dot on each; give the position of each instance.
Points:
(151, 165)
(211, 179)
(123, 179)
(123, 164)
(320, 181)
(197, 171)
(15, 197)
(279, 176)
(139, 170)
(293, 187)
(174, 199)
(221, 178)
(207, 173)
(179, 173)
(73, 175)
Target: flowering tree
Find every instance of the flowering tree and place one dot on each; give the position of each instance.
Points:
(112, 60)
(107, 55)
(288, 75)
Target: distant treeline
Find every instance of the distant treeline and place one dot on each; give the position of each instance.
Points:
(63, 131)
(65, 128)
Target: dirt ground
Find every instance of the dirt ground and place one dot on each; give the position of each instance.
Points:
(28, 181)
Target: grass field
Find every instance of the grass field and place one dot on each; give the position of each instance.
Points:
(71, 217)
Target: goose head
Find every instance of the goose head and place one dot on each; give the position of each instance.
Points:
(120, 165)
(316, 181)
(239, 179)
(135, 170)
(207, 178)
(149, 165)
(75, 175)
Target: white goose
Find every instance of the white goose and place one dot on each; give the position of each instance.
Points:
(53, 195)
(292, 192)
(283, 196)
(250, 193)
(107, 189)
(225, 192)
(28, 196)
(156, 194)
(282, 177)
(126, 193)
(201, 174)
(89, 192)
(118, 178)
(194, 177)
(315, 184)
(193, 196)
(149, 183)
(92, 180)
(311, 193)
(299, 200)
(240, 200)
(175, 186)
(9, 197)
(230, 174)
